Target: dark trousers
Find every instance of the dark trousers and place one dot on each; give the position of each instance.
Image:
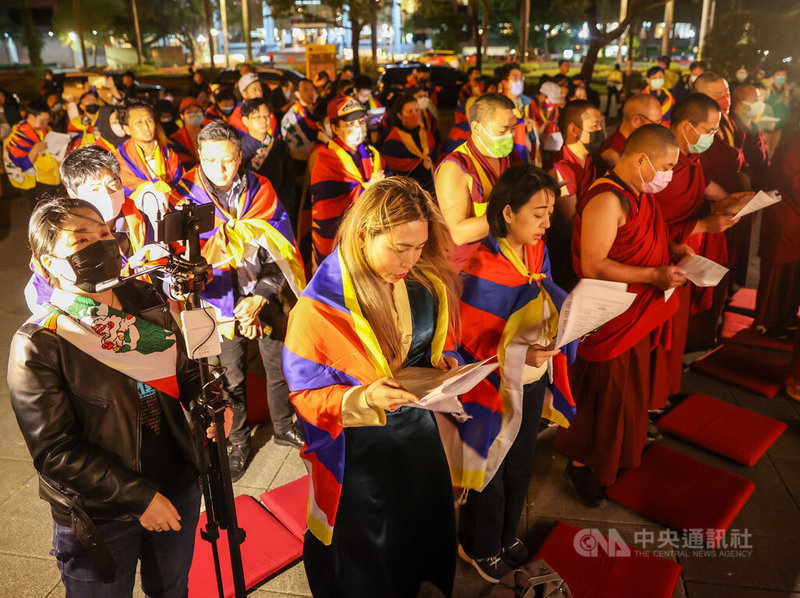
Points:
(165, 556)
(613, 92)
(234, 387)
(489, 519)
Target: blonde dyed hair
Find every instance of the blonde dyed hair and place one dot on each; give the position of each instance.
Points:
(383, 206)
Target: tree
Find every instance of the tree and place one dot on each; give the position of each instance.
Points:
(31, 37)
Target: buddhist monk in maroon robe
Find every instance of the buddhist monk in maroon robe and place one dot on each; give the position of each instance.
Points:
(748, 106)
(779, 278)
(640, 109)
(693, 220)
(573, 166)
(467, 175)
(620, 235)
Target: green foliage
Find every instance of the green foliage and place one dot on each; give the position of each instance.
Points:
(450, 23)
(110, 18)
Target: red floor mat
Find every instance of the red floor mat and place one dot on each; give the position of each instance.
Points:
(750, 338)
(733, 324)
(739, 434)
(267, 548)
(754, 370)
(595, 567)
(682, 493)
(744, 299)
(289, 504)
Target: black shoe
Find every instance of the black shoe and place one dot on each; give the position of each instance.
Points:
(492, 569)
(290, 437)
(515, 555)
(653, 433)
(590, 493)
(238, 455)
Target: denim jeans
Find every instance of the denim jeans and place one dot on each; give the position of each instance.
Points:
(166, 556)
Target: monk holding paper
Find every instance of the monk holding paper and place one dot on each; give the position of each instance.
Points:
(621, 236)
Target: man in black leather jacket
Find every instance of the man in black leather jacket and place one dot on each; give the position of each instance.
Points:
(115, 455)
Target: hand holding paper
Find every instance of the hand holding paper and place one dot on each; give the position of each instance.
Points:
(702, 271)
(760, 200)
(591, 304)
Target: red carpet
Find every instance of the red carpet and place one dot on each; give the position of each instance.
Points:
(739, 434)
(268, 548)
(606, 569)
(288, 504)
(682, 493)
(750, 369)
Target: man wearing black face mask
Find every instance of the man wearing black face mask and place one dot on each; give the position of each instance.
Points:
(84, 123)
(573, 166)
(97, 385)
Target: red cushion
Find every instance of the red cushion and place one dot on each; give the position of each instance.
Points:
(751, 338)
(593, 567)
(268, 547)
(257, 406)
(744, 299)
(753, 370)
(722, 428)
(682, 493)
(733, 323)
(289, 503)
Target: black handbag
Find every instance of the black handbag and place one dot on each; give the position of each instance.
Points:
(535, 579)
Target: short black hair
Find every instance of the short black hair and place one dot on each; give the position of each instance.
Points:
(85, 164)
(219, 131)
(502, 73)
(129, 74)
(665, 59)
(223, 94)
(695, 108)
(698, 64)
(83, 95)
(286, 78)
(401, 101)
(362, 82)
(562, 61)
(559, 79)
(37, 107)
(514, 188)
(571, 113)
(134, 104)
(485, 105)
(654, 70)
(472, 69)
(250, 106)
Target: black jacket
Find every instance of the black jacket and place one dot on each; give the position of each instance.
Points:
(82, 419)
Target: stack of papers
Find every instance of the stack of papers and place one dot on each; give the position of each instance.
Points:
(438, 390)
(759, 201)
(57, 144)
(591, 304)
(702, 271)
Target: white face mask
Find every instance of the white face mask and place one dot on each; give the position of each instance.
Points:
(517, 87)
(423, 103)
(118, 130)
(657, 83)
(354, 137)
(109, 204)
(755, 109)
(693, 78)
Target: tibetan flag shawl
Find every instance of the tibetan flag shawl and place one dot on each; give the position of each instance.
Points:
(330, 348)
(505, 307)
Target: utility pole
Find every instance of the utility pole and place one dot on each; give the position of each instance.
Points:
(76, 8)
(223, 8)
(666, 39)
(211, 42)
(246, 23)
(138, 34)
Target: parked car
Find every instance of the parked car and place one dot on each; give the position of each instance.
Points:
(439, 58)
(448, 80)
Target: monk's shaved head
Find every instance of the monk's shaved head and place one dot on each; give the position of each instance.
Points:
(642, 105)
(696, 108)
(744, 93)
(653, 140)
(572, 114)
(706, 82)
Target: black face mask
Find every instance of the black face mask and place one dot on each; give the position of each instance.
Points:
(596, 140)
(92, 109)
(96, 263)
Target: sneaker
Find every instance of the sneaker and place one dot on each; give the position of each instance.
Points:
(492, 569)
(653, 433)
(238, 454)
(516, 554)
(589, 492)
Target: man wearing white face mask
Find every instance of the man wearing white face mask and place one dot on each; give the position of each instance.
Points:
(93, 174)
(655, 87)
(512, 85)
(430, 115)
(621, 236)
(748, 106)
(342, 170)
(466, 176)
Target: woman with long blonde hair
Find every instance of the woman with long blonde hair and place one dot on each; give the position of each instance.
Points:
(380, 515)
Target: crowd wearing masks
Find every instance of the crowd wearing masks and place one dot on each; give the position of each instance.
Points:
(352, 240)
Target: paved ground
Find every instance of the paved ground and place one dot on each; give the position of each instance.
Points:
(772, 515)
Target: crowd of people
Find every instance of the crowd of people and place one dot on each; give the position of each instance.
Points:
(350, 242)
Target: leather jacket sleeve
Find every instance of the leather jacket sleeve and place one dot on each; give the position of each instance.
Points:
(53, 434)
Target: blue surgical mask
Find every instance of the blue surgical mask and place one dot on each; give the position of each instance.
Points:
(780, 80)
(703, 143)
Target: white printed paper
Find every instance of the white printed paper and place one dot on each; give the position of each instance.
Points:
(438, 390)
(759, 201)
(375, 115)
(591, 304)
(57, 144)
(668, 294)
(702, 271)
